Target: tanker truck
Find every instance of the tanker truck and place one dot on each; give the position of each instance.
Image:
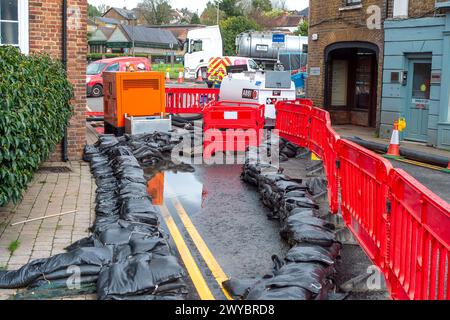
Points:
(260, 46)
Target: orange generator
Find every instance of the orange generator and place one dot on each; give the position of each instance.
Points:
(135, 94)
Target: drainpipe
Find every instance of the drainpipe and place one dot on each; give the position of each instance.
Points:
(65, 157)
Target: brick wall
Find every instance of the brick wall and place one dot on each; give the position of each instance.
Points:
(334, 25)
(417, 8)
(46, 36)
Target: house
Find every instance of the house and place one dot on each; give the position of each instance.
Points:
(285, 22)
(142, 40)
(416, 75)
(97, 40)
(345, 60)
(123, 15)
(105, 22)
(180, 31)
(38, 26)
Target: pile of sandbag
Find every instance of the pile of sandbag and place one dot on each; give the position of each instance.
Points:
(128, 255)
(307, 272)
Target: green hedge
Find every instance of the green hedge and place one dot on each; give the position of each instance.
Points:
(34, 111)
(99, 56)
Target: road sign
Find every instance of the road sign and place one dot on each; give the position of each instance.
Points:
(278, 38)
(279, 41)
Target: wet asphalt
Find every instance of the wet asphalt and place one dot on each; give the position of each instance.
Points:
(231, 220)
(436, 181)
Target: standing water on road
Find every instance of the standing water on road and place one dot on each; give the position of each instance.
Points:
(227, 214)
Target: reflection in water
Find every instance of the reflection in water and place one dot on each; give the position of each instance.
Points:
(185, 186)
(155, 188)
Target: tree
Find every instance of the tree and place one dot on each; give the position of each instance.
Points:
(156, 12)
(302, 29)
(262, 5)
(195, 19)
(103, 8)
(232, 8)
(209, 15)
(93, 11)
(232, 27)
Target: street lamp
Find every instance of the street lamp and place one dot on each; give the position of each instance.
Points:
(218, 12)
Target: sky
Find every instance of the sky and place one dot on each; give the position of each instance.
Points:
(193, 5)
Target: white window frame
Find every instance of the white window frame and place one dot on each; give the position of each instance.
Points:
(23, 30)
(24, 41)
(401, 8)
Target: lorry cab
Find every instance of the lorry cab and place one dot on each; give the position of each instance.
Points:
(201, 45)
(263, 87)
(217, 68)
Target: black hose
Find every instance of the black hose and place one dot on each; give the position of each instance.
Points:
(415, 155)
(187, 119)
(65, 156)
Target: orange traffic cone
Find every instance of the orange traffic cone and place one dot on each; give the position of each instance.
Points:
(448, 168)
(199, 76)
(394, 146)
(180, 77)
(168, 77)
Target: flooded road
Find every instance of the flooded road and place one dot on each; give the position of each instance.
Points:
(222, 223)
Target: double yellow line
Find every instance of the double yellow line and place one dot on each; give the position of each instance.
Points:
(188, 260)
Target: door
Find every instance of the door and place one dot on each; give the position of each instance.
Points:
(418, 100)
(339, 83)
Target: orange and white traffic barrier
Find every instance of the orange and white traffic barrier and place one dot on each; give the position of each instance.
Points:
(180, 77)
(394, 146)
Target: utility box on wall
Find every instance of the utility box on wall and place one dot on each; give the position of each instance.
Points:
(135, 94)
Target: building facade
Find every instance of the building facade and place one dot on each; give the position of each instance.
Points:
(416, 76)
(122, 15)
(142, 40)
(345, 59)
(37, 27)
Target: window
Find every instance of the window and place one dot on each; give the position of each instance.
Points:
(352, 2)
(14, 23)
(400, 9)
(113, 67)
(253, 65)
(196, 46)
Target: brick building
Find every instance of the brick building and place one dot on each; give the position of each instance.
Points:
(416, 76)
(37, 26)
(122, 15)
(346, 59)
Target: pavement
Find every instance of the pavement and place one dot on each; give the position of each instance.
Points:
(435, 180)
(56, 188)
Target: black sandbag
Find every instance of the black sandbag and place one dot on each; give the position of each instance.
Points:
(295, 234)
(89, 152)
(34, 270)
(140, 275)
(84, 270)
(313, 253)
(317, 186)
(62, 283)
(273, 294)
(238, 288)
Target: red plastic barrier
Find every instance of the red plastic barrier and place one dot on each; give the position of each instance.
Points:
(292, 122)
(306, 102)
(247, 119)
(364, 178)
(189, 100)
(323, 142)
(419, 251)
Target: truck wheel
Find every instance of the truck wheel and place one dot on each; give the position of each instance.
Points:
(97, 91)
